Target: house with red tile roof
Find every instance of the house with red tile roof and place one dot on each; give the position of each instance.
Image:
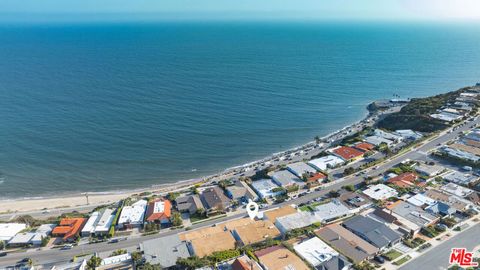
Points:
(364, 146)
(69, 228)
(159, 211)
(404, 180)
(315, 179)
(347, 153)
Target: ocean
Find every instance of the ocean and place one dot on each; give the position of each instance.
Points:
(116, 106)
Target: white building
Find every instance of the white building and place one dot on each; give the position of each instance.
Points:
(326, 162)
(133, 215)
(9, 230)
(315, 251)
(459, 178)
(332, 211)
(421, 200)
(457, 190)
(300, 168)
(380, 192)
(377, 140)
(98, 223)
(285, 178)
(429, 170)
(265, 188)
(296, 220)
(408, 134)
(387, 135)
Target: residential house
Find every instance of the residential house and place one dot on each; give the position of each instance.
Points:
(421, 200)
(377, 141)
(347, 153)
(440, 208)
(9, 230)
(165, 251)
(374, 232)
(355, 201)
(326, 162)
(428, 170)
(364, 146)
(347, 243)
(159, 211)
(69, 228)
(215, 200)
(332, 211)
(404, 180)
(412, 217)
(240, 191)
(286, 179)
(99, 223)
(457, 203)
(315, 251)
(457, 190)
(335, 263)
(380, 192)
(189, 204)
(297, 220)
(460, 178)
(204, 242)
(266, 188)
(132, 216)
(408, 134)
(301, 168)
(245, 263)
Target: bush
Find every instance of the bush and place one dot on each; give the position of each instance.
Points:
(349, 188)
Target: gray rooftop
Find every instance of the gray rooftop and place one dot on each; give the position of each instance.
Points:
(165, 251)
(413, 213)
(189, 203)
(299, 168)
(285, 178)
(376, 233)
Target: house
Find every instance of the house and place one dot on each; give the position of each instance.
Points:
(428, 170)
(215, 200)
(69, 228)
(347, 153)
(347, 243)
(32, 238)
(301, 168)
(326, 162)
(387, 135)
(122, 261)
(456, 153)
(474, 198)
(457, 190)
(403, 180)
(466, 148)
(245, 263)
(364, 146)
(315, 251)
(278, 257)
(98, 224)
(416, 218)
(408, 134)
(460, 178)
(440, 208)
(421, 200)
(240, 191)
(335, 263)
(374, 232)
(272, 215)
(266, 188)
(21, 239)
(380, 192)
(457, 203)
(159, 211)
(255, 232)
(165, 250)
(315, 179)
(9, 230)
(189, 204)
(354, 201)
(132, 215)
(286, 179)
(332, 211)
(377, 141)
(297, 220)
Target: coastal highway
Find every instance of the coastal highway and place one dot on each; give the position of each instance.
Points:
(52, 256)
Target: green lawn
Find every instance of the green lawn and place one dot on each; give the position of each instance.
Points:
(310, 207)
(402, 260)
(392, 254)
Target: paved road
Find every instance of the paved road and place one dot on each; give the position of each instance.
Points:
(58, 256)
(437, 257)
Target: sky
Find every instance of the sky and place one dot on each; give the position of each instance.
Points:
(403, 10)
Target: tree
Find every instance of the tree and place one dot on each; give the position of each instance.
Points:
(193, 262)
(94, 262)
(118, 252)
(137, 256)
(176, 219)
(334, 194)
(194, 189)
(2, 244)
(172, 196)
(317, 140)
(349, 188)
(149, 266)
(348, 171)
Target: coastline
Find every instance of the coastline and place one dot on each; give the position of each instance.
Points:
(75, 200)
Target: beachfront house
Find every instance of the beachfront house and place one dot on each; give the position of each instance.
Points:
(132, 215)
(159, 211)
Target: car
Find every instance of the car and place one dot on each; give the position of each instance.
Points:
(67, 246)
(113, 241)
(3, 254)
(24, 260)
(379, 259)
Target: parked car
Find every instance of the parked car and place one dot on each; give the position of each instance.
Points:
(379, 259)
(3, 254)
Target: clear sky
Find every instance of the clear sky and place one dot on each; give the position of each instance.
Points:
(241, 9)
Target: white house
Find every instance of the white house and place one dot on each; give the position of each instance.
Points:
(325, 162)
(315, 251)
(380, 192)
(132, 215)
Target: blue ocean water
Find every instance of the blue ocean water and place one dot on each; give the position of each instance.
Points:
(94, 107)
